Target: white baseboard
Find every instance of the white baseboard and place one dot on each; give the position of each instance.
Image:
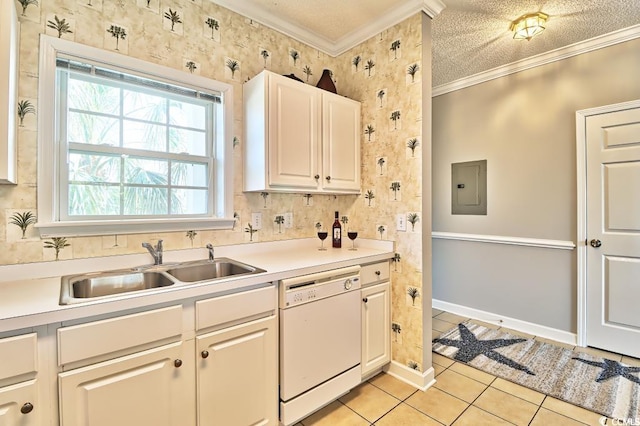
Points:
(415, 378)
(513, 323)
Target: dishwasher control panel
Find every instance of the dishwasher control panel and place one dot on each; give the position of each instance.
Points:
(300, 290)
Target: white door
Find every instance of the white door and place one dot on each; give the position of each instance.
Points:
(294, 133)
(613, 231)
(340, 143)
(150, 388)
(376, 325)
(238, 375)
(18, 405)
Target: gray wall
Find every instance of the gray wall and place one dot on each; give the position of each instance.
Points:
(524, 126)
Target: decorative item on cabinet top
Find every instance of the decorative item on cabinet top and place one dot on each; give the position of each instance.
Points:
(326, 83)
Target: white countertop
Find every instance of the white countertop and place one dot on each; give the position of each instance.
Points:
(30, 293)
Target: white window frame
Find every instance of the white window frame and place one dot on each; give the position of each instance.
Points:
(49, 216)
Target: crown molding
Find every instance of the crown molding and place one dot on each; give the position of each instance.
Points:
(575, 49)
(333, 47)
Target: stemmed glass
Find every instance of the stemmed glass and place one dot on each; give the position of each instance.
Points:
(352, 236)
(323, 236)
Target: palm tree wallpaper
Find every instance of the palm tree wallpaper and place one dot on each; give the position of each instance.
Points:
(356, 62)
(173, 17)
(25, 107)
(295, 56)
(214, 26)
(25, 4)
(369, 131)
(118, 33)
(369, 66)
(382, 194)
(60, 25)
(217, 41)
(395, 48)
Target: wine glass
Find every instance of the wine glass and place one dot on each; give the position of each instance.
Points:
(352, 236)
(323, 236)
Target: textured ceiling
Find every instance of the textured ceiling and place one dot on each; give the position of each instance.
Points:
(469, 36)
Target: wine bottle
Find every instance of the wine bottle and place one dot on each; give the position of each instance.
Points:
(337, 233)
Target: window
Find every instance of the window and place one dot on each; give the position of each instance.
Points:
(136, 147)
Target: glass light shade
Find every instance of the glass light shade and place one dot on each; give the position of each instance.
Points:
(528, 26)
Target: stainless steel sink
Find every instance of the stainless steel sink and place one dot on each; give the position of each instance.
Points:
(210, 270)
(81, 288)
(89, 286)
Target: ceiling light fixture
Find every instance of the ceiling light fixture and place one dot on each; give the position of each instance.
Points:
(528, 26)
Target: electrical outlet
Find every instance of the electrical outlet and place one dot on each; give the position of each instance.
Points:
(401, 222)
(288, 220)
(256, 220)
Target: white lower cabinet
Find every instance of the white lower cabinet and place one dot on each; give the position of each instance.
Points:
(376, 325)
(237, 374)
(18, 404)
(145, 388)
(203, 362)
(19, 384)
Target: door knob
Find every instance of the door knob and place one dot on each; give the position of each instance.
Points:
(328, 178)
(595, 243)
(365, 300)
(316, 177)
(177, 363)
(204, 354)
(26, 408)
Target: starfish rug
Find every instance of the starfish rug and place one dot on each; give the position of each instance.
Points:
(601, 385)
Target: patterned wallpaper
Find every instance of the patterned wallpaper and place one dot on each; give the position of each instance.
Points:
(384, 73)
(197, 36)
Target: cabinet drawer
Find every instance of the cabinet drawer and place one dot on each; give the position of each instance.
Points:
(233, 307)
(22, 353)
(85, 341)
(374, 272)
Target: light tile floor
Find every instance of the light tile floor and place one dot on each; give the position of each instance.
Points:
(461, 396)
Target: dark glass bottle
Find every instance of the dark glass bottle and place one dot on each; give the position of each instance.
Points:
(337, 233)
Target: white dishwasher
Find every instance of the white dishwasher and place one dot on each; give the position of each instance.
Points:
(319, 340)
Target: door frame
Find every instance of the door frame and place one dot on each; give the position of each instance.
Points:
(581, 196)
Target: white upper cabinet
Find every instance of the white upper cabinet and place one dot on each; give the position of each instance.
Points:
(9, 46)
(299, 138)
(340, 143)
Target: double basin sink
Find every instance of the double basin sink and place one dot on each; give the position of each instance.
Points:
(84, 287)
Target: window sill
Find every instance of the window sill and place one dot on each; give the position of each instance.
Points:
(141, 226)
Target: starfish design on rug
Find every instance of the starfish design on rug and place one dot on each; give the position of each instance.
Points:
(611, 369)
(470, 347)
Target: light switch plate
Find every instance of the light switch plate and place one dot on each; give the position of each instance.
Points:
(256, 220)
(401, 222)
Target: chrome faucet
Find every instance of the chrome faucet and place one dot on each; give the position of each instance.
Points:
(210, 248)
(156, 252)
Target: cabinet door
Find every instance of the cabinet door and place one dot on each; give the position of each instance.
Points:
(146, 388)
(341, 144)
(376, 324)
(238, 375)
(9, 52)
(294, 117)
(18, 405)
